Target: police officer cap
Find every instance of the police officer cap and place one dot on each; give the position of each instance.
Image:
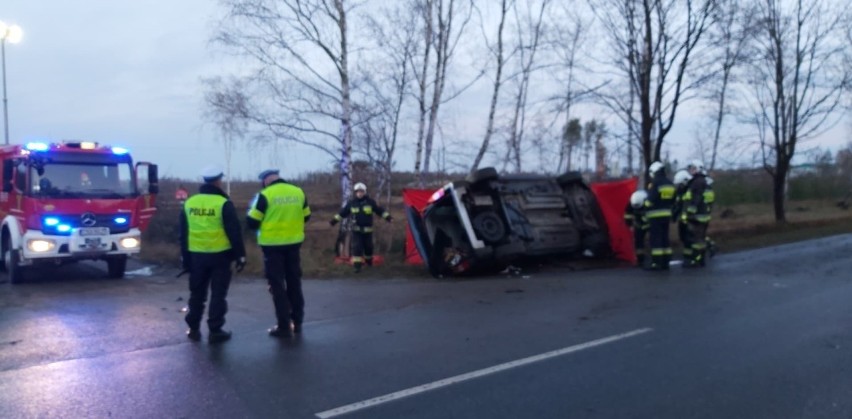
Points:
(212, 173)
(266, 173)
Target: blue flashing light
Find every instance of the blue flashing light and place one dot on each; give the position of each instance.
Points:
(63, 228)
(51, 221)
(120, 150)
(37, 147)
(120, 220)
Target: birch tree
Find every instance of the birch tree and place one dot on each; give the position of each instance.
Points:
(529, 33)
(565, 42)
(499, 57)
(301, 88)
(389, 80)
(443, 26)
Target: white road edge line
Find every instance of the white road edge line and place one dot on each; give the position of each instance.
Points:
(475, 374)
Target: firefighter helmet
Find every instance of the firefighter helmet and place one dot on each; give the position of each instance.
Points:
(697, 165)
(682, 177)
(360, 187)
(638, 198)
(655, 167)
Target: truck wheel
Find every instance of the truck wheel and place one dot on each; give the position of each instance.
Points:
(483, 175)
(13, 267)
(116, 267)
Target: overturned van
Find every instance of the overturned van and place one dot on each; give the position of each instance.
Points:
(489, 221)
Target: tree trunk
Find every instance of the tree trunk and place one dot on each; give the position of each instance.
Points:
(346, 104)
(489, 130)
(720, 116)
(422, 79)
(779, 196)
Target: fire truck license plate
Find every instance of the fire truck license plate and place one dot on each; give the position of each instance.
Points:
(94, 231)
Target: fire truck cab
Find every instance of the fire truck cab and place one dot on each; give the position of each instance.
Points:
(71, 201)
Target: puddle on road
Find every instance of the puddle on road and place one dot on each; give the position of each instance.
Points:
(146, 271)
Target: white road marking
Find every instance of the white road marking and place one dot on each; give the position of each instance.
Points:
(475, 374)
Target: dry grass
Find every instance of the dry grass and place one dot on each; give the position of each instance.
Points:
(753, 225)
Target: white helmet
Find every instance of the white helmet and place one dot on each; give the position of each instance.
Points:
(360, 187)
(638, 198)
(698, 165)
(656, 167)
(682, 177)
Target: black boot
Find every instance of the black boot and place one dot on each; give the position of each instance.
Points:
(281, 332)
(193, 335)
(218, 336)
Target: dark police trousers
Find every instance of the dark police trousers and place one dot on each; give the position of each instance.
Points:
(213, 271)
(362, 248)
(284, 273)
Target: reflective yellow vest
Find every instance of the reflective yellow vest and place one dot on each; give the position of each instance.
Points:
(204, 219)
(283, 222)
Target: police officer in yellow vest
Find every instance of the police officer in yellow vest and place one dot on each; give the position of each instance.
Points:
(279, 213)
(210, 238)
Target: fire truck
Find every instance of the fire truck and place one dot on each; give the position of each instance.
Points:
(71, 201)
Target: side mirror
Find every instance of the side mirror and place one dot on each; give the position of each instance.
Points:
(153, 180)
(8, 172)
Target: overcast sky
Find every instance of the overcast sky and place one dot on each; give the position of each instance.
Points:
(129, 73)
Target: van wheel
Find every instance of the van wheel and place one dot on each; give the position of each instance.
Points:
(483, 175)
(116, 267)
(569, 178)
(489, 225)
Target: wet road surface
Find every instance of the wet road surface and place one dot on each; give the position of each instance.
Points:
(759, 334)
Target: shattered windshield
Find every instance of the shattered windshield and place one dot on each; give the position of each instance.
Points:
(105, 180)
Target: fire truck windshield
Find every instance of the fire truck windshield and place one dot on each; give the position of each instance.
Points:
(91, 179)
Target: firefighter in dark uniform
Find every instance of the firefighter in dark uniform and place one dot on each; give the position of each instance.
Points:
(279, 213)
(210, 238)
(362, 208)
(658, 207)
(698, 201)
(681, 181)
(634, 217)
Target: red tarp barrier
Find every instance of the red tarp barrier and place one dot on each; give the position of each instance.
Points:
(612, 198)
(417, 198)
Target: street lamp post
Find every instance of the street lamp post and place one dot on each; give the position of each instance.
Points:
(13, 34)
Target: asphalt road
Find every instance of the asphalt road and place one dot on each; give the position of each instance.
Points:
(759, 334)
